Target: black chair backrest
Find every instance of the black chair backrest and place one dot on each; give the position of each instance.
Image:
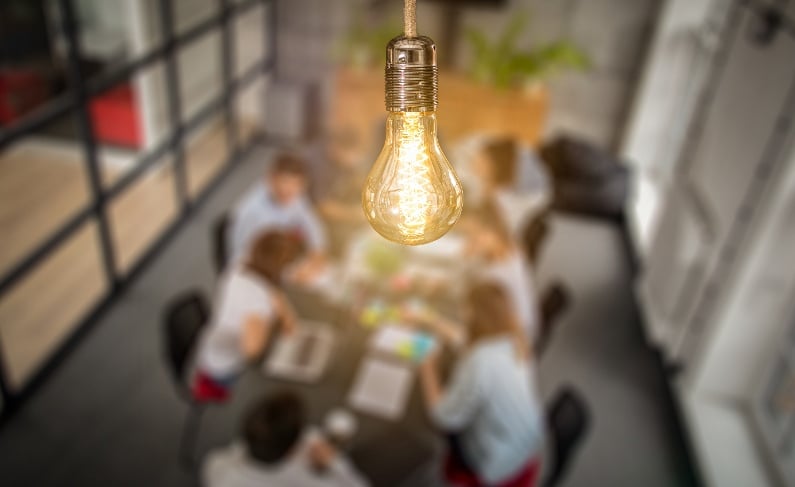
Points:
(220, 250)
(534, 235)
(183, 320)
(554, 301)
(568, 420)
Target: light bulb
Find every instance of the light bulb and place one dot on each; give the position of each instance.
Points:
(412, 195)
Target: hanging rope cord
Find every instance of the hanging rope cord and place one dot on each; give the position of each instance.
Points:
(410, 18)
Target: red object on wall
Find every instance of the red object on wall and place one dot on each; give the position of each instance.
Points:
(20, 92)
(115, 118)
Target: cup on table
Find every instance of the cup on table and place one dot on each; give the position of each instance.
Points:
(340, 426)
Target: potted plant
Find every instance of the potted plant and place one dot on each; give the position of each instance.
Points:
(502, 64)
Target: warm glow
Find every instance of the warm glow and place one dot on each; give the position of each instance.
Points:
(412, 195)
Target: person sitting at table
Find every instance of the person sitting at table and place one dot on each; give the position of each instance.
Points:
(248, 304)
(498, 258)
(278, 450)
(279, 202)
(490, 410)
(510, 175)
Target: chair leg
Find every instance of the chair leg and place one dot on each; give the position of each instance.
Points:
(190, 434)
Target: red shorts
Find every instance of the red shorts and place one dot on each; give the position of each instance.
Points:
(459, 475)
(206, 389)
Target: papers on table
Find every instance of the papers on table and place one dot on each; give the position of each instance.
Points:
(302, 356)
(381, 388)
(403, 342)
(449, 247)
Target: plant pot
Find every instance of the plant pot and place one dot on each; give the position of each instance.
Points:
(466, 107)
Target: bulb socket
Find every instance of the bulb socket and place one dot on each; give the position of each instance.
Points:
(411, 75)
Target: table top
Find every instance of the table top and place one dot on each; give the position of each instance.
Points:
(386, 451)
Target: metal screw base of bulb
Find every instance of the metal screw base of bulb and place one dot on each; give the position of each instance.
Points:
(411, 75)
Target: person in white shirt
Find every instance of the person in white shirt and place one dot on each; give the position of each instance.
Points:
(280, 202)
(278, 450)
(248, 304)
(491, 408)
(498, 258)
(512, 176)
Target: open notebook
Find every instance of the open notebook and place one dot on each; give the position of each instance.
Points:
(302, 356)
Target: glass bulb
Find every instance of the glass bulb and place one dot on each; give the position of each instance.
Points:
(412, 195)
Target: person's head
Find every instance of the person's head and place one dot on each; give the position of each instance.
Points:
(288, 178)
(273, 426)
(488, 311)
(495, 164)
(271, 253)
(488, 234)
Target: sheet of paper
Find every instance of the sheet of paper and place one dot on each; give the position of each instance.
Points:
(381, 388)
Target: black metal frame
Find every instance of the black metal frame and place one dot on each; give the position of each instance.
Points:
(76, 100)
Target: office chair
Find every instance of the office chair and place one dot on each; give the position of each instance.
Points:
(534, 235)
(219, 238)
(554, 301)
(568, 420)
(184, 317)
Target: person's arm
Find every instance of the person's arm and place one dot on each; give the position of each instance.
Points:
(448, 330)
(254, 338)
(313, 229)
(451, 408)
(285, 312)
(315, 235)
(337, 470)
(431, 385)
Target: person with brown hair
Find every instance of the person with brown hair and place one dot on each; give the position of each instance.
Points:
(511, 176)
(248, 304)
(279, 202)
(497, 257)
(490, 410)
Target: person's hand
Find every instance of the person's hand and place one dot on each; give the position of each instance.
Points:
(417, 313)
(430, 363)
(305, 271)
(289, 322)
(321, 454)
(287, 315)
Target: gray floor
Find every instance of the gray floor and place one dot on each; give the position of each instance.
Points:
(109, 415)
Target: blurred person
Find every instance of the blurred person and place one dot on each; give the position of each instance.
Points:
(491, 409)
(279, 202)
(248, 304)
(512, 176)
(498, 258)
(279, 450)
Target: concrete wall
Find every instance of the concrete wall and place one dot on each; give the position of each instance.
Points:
(614, 33)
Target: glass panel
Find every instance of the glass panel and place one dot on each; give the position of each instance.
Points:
(140, 214)
(249, 38)
(199, 73)
(32, 56)
(206, 153)
(41, 310)
(43, 182)
(250, 109)
(129, 121)
(189, 13)
(114, 33)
